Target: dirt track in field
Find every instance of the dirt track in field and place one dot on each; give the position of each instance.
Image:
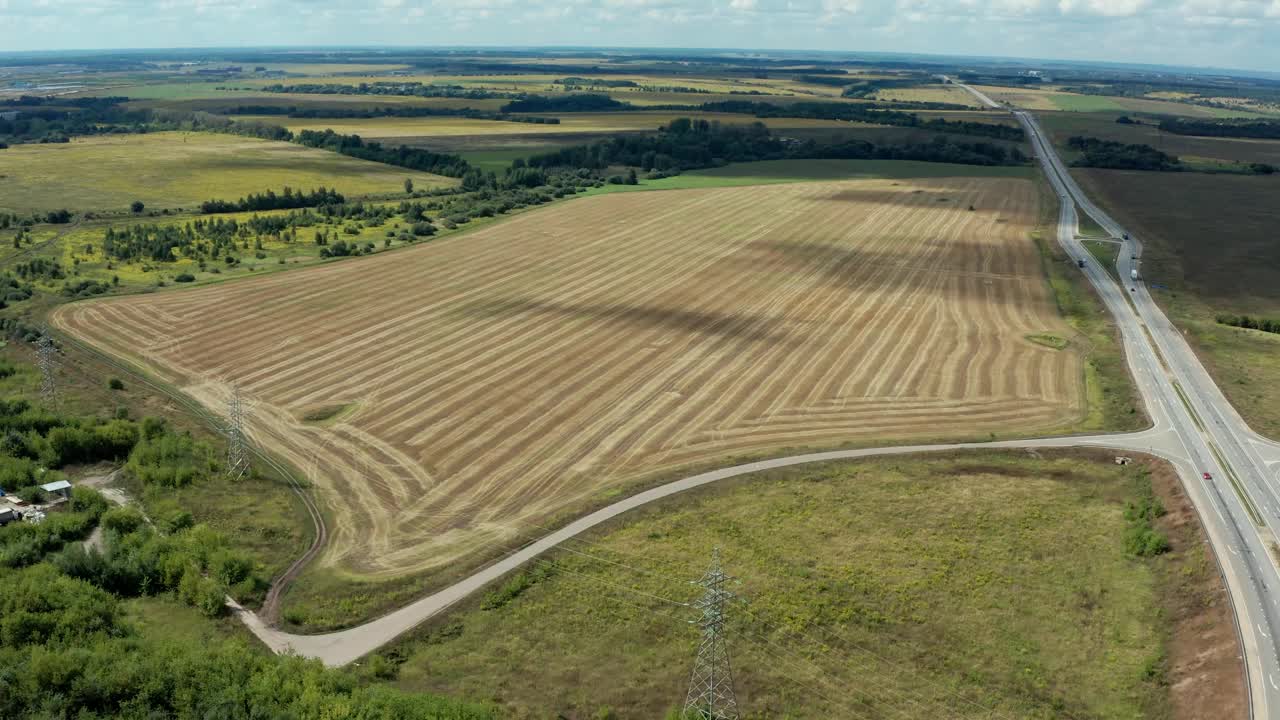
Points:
(493, 380)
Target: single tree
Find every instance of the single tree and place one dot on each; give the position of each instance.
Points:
(408, 186)
(136, 206)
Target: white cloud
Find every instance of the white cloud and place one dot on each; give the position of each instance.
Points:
(1217, 32)
(1106, 8)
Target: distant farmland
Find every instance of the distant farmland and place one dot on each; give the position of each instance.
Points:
(446, 397)
(174, 169)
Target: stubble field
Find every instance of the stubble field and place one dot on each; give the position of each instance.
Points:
(447, 397)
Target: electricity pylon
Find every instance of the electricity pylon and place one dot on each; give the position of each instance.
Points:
(237, 449)
(711, 694)
(47, 361)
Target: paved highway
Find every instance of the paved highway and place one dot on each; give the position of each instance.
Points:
(1193, 427)
(1239, 504)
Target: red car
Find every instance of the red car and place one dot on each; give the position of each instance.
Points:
(1207, 476)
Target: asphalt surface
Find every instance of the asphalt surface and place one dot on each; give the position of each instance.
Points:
(1202, 433)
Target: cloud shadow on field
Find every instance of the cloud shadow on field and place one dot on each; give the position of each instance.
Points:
(731, 326)
(870, 270)
(924, 197)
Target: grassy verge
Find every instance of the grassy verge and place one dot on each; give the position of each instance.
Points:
(974, 585)
(1105, 253)
(1089, 228)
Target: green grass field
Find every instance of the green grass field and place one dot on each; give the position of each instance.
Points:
(170, 170)
(980, 585)
(1084, 103)
(788, 171)
(1104, 252)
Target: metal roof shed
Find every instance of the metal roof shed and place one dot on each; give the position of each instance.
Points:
(62, 487)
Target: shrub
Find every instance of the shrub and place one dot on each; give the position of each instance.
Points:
(115, 384)
(122, 520)
(185, 278)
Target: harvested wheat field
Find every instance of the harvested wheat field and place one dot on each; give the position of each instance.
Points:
(445, 397)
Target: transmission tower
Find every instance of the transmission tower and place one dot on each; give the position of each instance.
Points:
(47, 361)
(711, 694)
(237, 449)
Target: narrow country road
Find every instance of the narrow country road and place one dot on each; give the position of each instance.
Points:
(1193, 427)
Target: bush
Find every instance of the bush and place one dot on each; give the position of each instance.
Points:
(115, 384)
(168, 460)
(185, 278)
(122, 520)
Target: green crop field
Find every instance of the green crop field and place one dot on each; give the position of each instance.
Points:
(972, 586)
(167, 170)
(1083, 103)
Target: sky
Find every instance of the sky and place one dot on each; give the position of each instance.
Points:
(1206, 33)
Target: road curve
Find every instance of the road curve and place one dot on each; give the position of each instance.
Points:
(344, 646)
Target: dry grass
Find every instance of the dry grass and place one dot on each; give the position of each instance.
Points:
(561, 357)
(931, 93)
(180, 169)
(978, 585)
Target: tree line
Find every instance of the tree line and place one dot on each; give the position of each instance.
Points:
(575, 102)
(408, 111)
(414, 89)
(48, 123)
(686, 144)
(1260, 129)
(402, 156)
(1250, 323)
(269, 200)
(1122, 156)
(867, 114)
